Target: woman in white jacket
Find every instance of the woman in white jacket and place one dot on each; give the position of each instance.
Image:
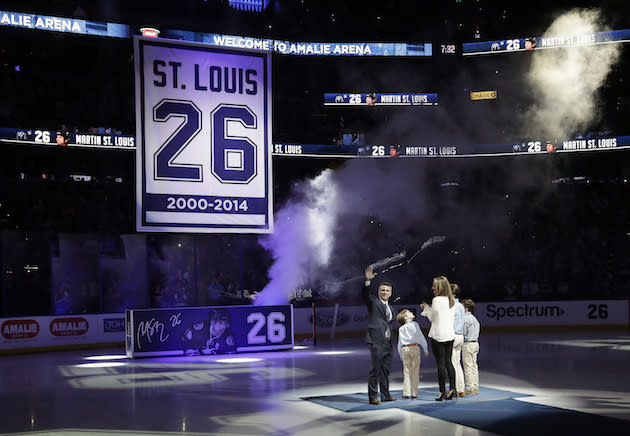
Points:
(441, 313)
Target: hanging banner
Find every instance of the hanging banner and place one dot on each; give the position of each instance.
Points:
(203, 129)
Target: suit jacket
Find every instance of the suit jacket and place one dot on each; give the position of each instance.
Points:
(377, 318)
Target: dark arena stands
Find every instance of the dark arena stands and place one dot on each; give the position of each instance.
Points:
(503, 127)
(548, 226)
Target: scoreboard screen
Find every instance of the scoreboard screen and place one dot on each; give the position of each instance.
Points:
(449, 49)
(380, 99)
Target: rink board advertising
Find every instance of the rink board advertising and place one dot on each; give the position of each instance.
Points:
(208, 330)
(60, 331)
(203, 129)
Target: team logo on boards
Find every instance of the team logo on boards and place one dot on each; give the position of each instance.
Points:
(20, 328)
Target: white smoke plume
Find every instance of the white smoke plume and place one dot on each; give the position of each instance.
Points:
(302, 241)
(564, 81)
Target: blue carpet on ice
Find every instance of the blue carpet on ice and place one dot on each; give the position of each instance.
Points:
(426, 397)
(493, 410)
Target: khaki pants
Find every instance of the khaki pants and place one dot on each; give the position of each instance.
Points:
(457, 365)
(411, 370)
(471, 371)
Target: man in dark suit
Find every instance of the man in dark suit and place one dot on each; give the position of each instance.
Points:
(378, 337)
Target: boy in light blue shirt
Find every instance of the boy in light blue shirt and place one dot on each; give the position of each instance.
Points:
(470, 348)
(410, 340)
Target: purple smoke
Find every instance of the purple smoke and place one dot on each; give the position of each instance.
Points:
(317, 234)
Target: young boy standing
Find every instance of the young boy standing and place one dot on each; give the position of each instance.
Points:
(470, 349)
(410, 340)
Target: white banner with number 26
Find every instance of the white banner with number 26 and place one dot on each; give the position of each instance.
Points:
(203, 121)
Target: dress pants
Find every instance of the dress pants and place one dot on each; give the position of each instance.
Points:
(379, 373)
(471, 371)
(411, 370)
(457, 364)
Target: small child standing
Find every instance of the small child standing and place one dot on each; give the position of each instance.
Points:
(470, 349)
(410, 339)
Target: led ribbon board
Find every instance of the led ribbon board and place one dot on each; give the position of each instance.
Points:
(67, 139)
(380, 99)
(120, 142)
(545, 42)
(452, 150)
(203, 125)
(115, 30)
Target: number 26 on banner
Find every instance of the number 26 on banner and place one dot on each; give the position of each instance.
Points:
(222, 144)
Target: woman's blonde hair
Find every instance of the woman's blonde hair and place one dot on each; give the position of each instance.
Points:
(443, 289)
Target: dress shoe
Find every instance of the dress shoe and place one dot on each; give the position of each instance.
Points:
(414, 398)
(388, 399)
(461, 394)
(451, 394)
(441, 396)
(374, 401)
(406, 398)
